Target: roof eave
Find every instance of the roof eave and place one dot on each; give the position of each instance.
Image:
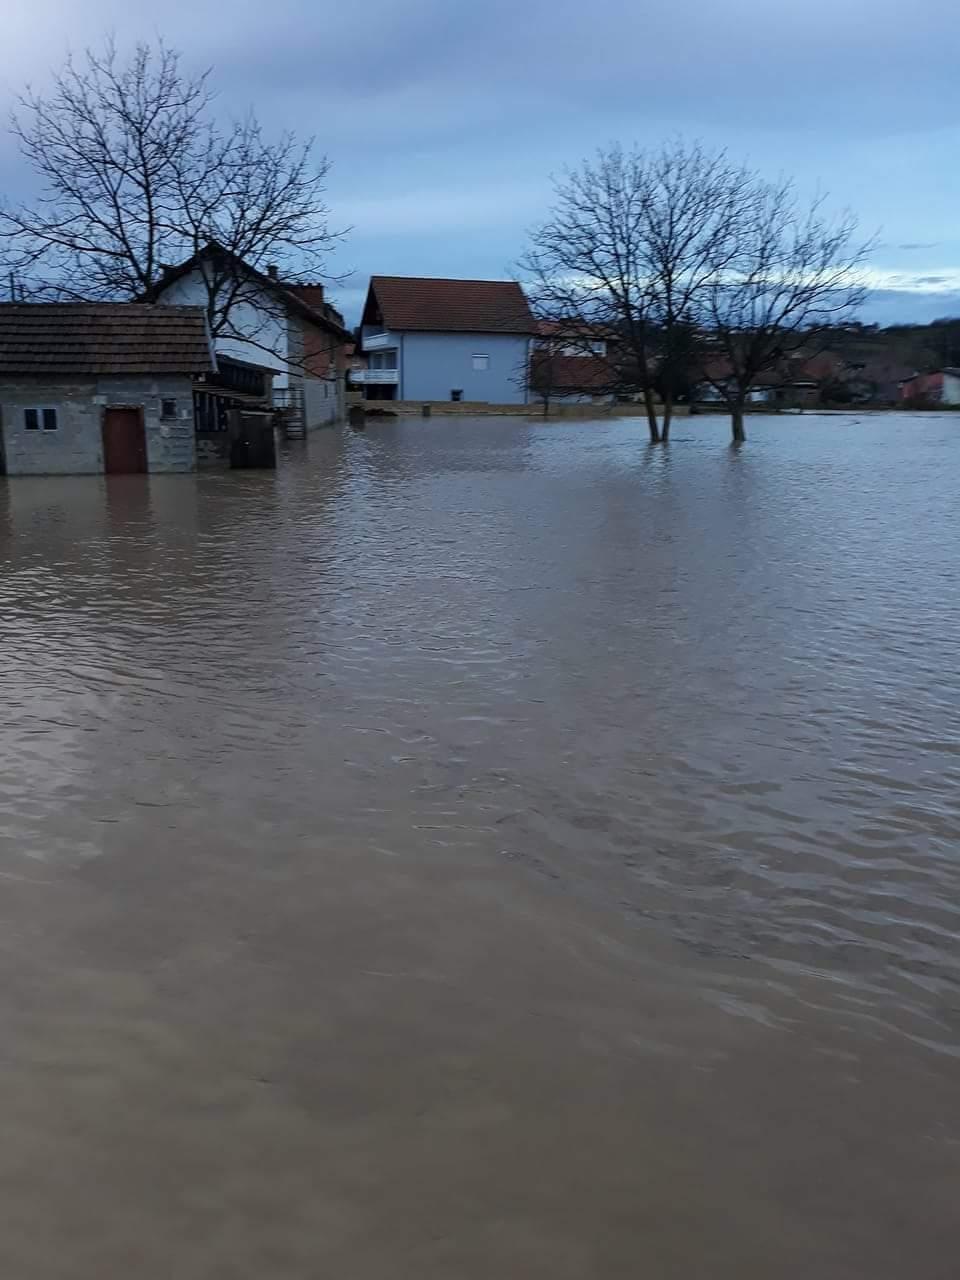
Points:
(490, 333)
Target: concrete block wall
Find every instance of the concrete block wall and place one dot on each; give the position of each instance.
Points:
(322, 401)
(170, 444)
(76, 447)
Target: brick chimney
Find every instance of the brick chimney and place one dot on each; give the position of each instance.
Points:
(312, 294)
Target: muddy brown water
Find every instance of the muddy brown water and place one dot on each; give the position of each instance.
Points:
(486, 848)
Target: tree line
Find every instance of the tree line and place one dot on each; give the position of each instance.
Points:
(685, 259)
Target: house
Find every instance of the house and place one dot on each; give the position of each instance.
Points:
(796, 382)
(260, 321)
(94, 387)
(714, 392)
(433, 340)
(572, 364)
(940, 387)
(768, 390)
(876, 381)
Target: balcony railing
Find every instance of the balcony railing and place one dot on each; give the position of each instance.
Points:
(377, 341)
(377, 377)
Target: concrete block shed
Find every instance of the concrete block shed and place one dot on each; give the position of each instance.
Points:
(87, 388)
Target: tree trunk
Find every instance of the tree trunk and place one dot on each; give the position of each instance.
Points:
(739, 435)
(652, 422)
(667, 419)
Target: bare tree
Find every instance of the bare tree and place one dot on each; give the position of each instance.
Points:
(541, 374)
(137, 174)
(104, 144)
(260, 204)
(633, 241)
(788, 275)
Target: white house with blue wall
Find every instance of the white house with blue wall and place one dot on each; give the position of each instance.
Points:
(441, 340)
(284, 329)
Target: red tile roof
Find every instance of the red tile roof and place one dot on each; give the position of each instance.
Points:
(569, 373)
(450, 306)
(575, 329)
(103, 338)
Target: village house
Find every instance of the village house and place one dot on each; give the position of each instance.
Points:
(100, 387)
(940, 387)
(445, 340)
(571, 363)
(797, 382)
(289, 331)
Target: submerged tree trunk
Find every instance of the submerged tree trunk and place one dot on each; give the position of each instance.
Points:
(667, 419)
(738, 433)
(652, 422)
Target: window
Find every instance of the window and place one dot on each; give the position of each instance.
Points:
(168, 409)
(383, 360)
(34, 419)
(480, 363)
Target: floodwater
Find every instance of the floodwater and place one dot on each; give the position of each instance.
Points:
(486, 848)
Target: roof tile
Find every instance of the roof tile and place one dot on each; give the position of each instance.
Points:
(62, 338)
(459, 306)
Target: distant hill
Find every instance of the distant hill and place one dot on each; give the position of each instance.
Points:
(924, 347)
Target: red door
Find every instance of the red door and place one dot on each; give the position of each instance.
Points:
(124, 441)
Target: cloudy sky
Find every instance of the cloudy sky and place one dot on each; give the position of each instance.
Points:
(445, 119)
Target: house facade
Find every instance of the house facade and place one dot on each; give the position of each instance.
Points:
(445, 340)
(571, 363)
(289, 331)
(941, 387)
(87, 388)
(798, 381)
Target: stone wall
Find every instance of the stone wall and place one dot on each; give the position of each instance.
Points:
(76, 446)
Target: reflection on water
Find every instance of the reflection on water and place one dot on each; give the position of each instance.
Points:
(688, 714)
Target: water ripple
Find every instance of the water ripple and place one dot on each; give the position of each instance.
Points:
(715, 693)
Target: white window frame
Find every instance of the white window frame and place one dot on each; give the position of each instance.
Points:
(481, 362)
(40, 410)
(587, 348)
